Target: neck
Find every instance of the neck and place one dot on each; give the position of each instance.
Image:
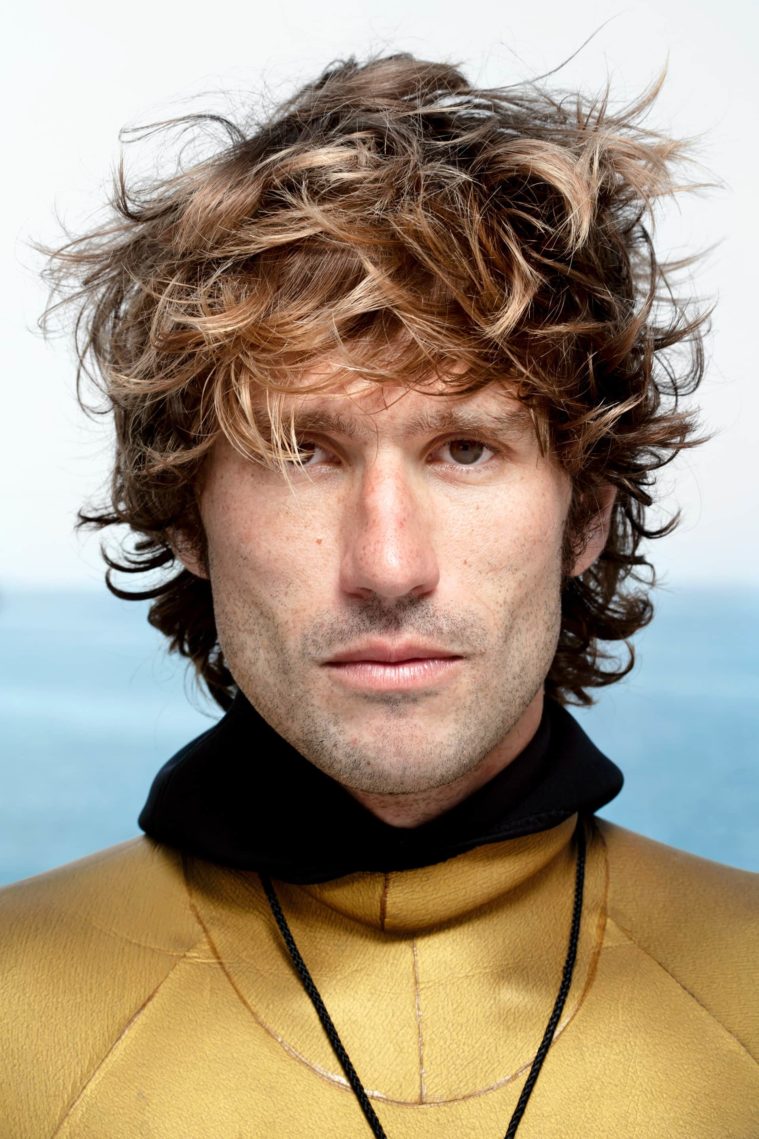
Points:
(412, 808)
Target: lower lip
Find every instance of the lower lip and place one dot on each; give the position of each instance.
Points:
(394, 676)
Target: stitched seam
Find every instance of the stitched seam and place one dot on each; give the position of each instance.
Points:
(374, 1093)
(383, 902)
(329, 1077)
(243, 877)
(337, 1080)
(332, 1077)
(633, 941)
(593, 831)
(419, 1031)
(132, 1020)
(122, 1035)
(178, 954)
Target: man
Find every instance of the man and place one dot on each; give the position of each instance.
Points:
(390, 375)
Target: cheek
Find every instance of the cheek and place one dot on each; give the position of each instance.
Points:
(260, 552)
(520, 536)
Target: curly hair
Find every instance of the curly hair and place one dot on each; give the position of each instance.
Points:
(392, 217)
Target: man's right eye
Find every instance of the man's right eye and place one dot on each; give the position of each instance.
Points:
(309, 452)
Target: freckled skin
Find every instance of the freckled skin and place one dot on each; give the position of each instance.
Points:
(387, 534)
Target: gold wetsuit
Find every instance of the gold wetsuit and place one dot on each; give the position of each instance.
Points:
(149, 995)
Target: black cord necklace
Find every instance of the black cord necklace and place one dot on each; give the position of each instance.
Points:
(337, 1044)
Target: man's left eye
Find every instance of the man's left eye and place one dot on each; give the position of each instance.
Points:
(465, 452)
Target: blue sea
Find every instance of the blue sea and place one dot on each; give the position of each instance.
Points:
(91, 706)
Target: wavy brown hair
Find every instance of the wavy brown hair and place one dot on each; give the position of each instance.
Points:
(391, 217)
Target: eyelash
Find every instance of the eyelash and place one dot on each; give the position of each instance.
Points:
(487, 447)
(476, 443)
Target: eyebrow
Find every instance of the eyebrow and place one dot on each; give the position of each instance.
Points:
(510, 424)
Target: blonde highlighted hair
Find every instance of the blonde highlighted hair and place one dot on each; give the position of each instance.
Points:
(391, 217)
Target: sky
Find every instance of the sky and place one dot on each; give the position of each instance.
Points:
(77, 73)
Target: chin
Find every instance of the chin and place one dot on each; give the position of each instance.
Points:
(406, 773)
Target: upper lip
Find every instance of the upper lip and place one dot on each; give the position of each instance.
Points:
(391, 652)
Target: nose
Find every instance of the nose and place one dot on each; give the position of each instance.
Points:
(388, 551)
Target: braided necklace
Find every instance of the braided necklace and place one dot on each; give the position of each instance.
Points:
(339, 1049)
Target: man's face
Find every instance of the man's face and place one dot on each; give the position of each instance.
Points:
(392, 608)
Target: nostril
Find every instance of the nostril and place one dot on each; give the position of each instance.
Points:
(388, 577)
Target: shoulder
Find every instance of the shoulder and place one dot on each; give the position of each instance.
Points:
(129, 899)
(135, 887)
(82, 949)
(699, 920)
(656, 886)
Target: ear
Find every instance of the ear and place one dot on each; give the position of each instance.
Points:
(187, 552)
(596, 532)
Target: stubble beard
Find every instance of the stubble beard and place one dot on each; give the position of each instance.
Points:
(395, 743)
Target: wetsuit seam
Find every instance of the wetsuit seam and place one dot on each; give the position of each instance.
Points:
(689, 992)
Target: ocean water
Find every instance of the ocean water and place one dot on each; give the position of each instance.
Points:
(91, 706)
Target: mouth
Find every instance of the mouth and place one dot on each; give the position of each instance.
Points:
(382, 666)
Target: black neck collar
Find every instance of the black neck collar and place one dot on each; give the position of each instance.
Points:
(240, 795)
